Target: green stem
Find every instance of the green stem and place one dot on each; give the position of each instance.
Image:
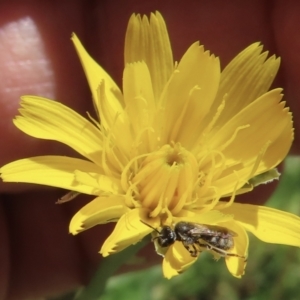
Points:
(108, 266)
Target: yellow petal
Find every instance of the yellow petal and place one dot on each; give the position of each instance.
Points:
(268, 224)
(107, 111)
(116, 121)
(99, 211)
(232, 180)
(266, 120)
(177, 260)
(103, 183)
(189, 94)
(47, 119)
(57, 171)
(129, 230)
(148, 41)
(95, 75)
(236, 265)
(211, 217)
(138, 95)
(245, 78)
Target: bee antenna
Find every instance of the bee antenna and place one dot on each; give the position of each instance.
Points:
(150, 226)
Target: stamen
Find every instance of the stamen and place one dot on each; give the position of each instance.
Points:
(130, 194)
(106, 148)
(182, 201)
(213, 200)
(124, 176)
(165, 179)
(178, 124)
(234, 136)
(229, 203)
(138, 141)
(215, 117)
(158, 209)
(259, 159)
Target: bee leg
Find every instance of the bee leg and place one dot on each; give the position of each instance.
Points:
(219, 251)
(191, 248)
(224, 253)
(204, 245)
(195, 251)
(236, 255)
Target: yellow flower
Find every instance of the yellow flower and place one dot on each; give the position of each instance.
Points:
(170, 147)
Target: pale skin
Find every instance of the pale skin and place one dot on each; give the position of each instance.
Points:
(38, 257)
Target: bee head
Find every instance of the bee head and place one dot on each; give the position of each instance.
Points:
(166, 237)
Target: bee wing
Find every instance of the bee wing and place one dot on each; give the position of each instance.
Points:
(232, 233)
(210, 230)
(200, 229)
(224, 230)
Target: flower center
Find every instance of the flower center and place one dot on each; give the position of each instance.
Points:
(166, 179)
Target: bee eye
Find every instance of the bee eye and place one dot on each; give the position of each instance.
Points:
(164, 242)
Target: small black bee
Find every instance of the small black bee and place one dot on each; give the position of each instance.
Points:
(196, 236)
